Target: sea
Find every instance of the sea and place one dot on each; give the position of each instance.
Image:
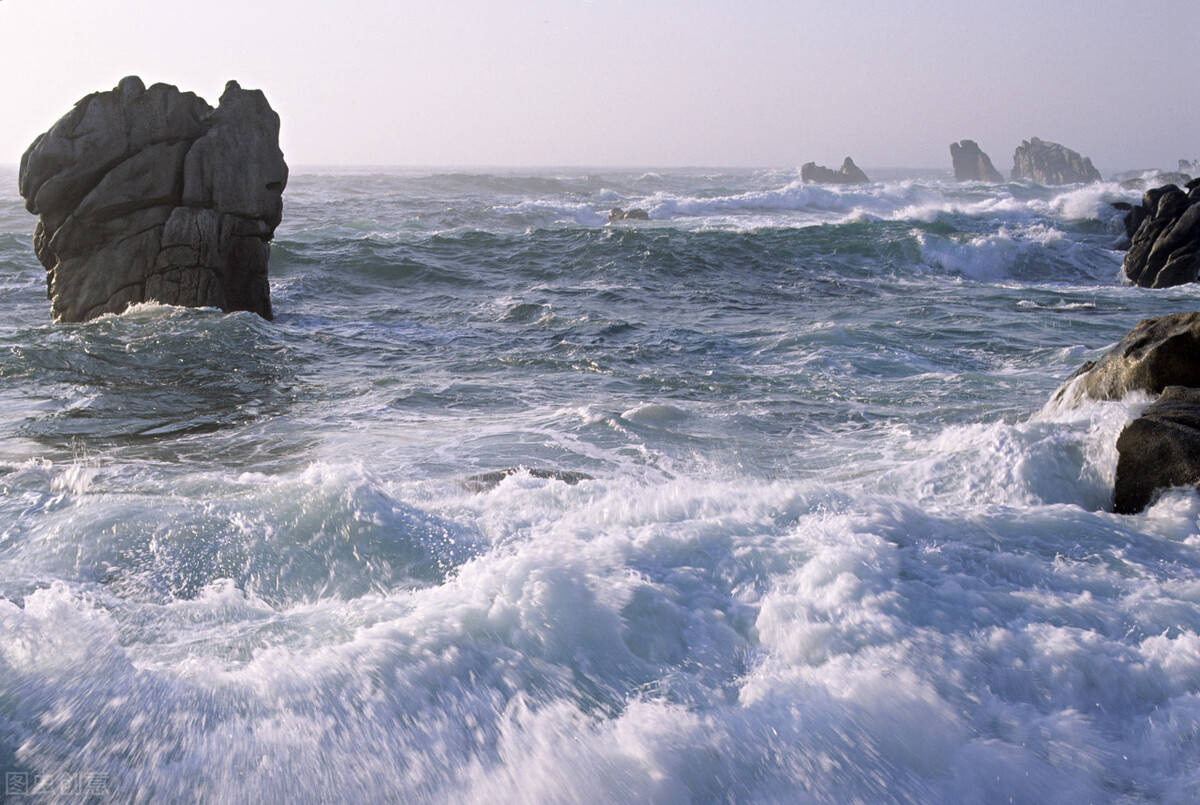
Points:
(760, 500)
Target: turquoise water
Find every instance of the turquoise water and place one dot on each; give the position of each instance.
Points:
(832, 546)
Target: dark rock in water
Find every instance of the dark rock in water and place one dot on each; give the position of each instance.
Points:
(849, 173)
(1134, 214)
(1158, 450)
(1050, 164)
(485, 481)
(1193, 184)
(151, 194)
(635, 214)
(1164, 238)
(1156, 353)
(971, 164)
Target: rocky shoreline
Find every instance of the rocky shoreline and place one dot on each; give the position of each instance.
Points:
(1159, 357)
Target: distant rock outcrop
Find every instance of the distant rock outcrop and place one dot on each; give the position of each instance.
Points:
(1050, 164)
(1189, 166)
(635, 214)
(1158, 450)
(1164, 237)
(971, 164)
(849, 174)
(1156, 353)
(151, 194)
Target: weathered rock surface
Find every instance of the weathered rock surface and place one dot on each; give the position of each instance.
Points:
(849, 173)
(1156, 353)
(151, 194)
(1050, 164)
(1164, 237)
(971, 164)
(1158, 450)
(635, 214)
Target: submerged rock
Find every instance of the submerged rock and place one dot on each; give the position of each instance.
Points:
(1156, 353)
(486, 481)
(151, 194)
(1050, 164)
(1156, 179)
(1158, 450)
(1164, 237)
(971, 164)
(849, 173)
(635, 214)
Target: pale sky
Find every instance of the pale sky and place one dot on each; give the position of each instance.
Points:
(638, 82)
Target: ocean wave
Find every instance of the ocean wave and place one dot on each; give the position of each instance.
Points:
(1037, 252)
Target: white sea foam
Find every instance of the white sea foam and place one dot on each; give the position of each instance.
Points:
(1019, 251)
(830, 549)
(557, 211)
(857, 649)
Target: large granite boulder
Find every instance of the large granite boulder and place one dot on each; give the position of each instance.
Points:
(1158, 450)
(849, 173)
(1164, 237)
(971, 164)
(1156, 353)
(151, 194)
(1050, 164)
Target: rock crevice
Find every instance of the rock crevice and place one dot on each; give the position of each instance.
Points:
(117, 178)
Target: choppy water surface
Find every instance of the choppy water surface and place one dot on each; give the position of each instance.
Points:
(831, 549)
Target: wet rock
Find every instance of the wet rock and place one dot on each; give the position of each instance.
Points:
(1049, 163)
(1164, 238)
(1156, 353)
(1158, 450)
(635, 214)
(849, 173)
(150, 194)
(971, 164)
(486, 481)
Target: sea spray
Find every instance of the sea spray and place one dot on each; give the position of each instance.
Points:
(833, 543)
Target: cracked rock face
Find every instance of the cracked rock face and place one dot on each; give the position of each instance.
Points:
(151, 194)
(1049, 163)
